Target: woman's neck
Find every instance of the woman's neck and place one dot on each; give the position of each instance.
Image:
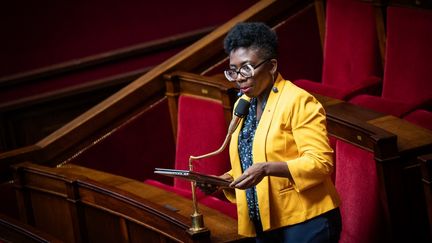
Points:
(261, 102)
(262, 98)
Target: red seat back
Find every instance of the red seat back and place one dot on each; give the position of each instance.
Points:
(351, 52)
(201, 129)
(407, 74)
(358, 186)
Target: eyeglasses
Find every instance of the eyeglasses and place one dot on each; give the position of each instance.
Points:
(247, 71)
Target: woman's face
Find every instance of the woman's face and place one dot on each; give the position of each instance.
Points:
(262, 79)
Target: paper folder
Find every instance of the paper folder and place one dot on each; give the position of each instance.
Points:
(193, 176)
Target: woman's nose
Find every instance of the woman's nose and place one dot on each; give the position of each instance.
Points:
(240, 78)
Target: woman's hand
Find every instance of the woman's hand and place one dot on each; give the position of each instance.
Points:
(256, 172)
(210, 188)
(252, 176)
(207, 188)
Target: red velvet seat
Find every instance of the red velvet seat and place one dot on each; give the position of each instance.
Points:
(407, 78)
(420, 117)
(201, 129)
(351, 54)
(357, 183)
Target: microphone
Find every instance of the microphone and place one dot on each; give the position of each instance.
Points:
(241, 110)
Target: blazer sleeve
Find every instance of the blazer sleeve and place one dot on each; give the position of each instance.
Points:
(314, 163)
(229, 193)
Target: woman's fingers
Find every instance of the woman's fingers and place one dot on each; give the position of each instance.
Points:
(252, 176)
(244, 181)
(207, 188)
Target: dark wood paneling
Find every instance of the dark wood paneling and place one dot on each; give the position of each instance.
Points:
(142, 235)
(24, 122)
(12, 230)
(426, 171)
(51, 213)
(111, 231)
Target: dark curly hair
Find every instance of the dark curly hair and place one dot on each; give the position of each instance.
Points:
(252, 35)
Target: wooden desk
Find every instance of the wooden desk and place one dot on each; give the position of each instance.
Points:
(409, 136)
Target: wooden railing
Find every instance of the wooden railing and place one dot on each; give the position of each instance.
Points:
(109, 208)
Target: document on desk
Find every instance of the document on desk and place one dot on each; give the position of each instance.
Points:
(193, 176)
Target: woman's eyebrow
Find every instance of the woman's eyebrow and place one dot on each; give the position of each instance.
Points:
(241, 64)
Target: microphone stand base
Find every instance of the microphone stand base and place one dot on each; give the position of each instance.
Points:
(197, 223)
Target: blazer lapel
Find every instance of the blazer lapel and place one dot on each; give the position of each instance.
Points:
(259, 144)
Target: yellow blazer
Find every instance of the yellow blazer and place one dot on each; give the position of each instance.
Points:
(292, 129)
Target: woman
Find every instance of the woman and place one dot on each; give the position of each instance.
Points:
(280, 157)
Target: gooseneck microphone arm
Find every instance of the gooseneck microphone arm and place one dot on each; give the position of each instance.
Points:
(233, 125)
(240, 111)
